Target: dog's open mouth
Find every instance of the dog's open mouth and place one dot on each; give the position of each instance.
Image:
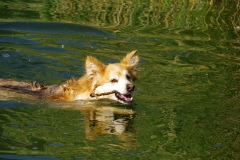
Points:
(125, 98)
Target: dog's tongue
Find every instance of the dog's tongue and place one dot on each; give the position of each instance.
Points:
(127, 98)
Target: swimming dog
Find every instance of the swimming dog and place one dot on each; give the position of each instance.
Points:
(112, 81)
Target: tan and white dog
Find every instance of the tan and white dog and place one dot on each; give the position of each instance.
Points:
(113, 81)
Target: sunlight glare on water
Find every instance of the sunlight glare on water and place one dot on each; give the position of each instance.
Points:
(186, 105)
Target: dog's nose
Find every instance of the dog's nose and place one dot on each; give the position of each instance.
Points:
(130, 87)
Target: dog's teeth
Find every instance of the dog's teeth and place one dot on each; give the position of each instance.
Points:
(131, 98)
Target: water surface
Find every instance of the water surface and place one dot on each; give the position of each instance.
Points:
(187, 101)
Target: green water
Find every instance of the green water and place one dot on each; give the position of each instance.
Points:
(187, 101)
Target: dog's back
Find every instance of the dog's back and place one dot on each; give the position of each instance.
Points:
(33, 88)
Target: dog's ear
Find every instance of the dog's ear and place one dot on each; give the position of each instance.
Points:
(94, 68)
(131, 60)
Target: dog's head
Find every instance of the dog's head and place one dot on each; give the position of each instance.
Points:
(117, 77)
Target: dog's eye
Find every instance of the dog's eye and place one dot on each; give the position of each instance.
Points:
(128, 77)
(114, 80)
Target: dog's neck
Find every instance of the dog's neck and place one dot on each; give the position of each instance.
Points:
(85, 95)
(82, 88)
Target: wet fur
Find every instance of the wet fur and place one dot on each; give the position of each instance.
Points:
(97, 79)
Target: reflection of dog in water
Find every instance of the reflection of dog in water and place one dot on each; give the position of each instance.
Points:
(110, 120)
(114, 81)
